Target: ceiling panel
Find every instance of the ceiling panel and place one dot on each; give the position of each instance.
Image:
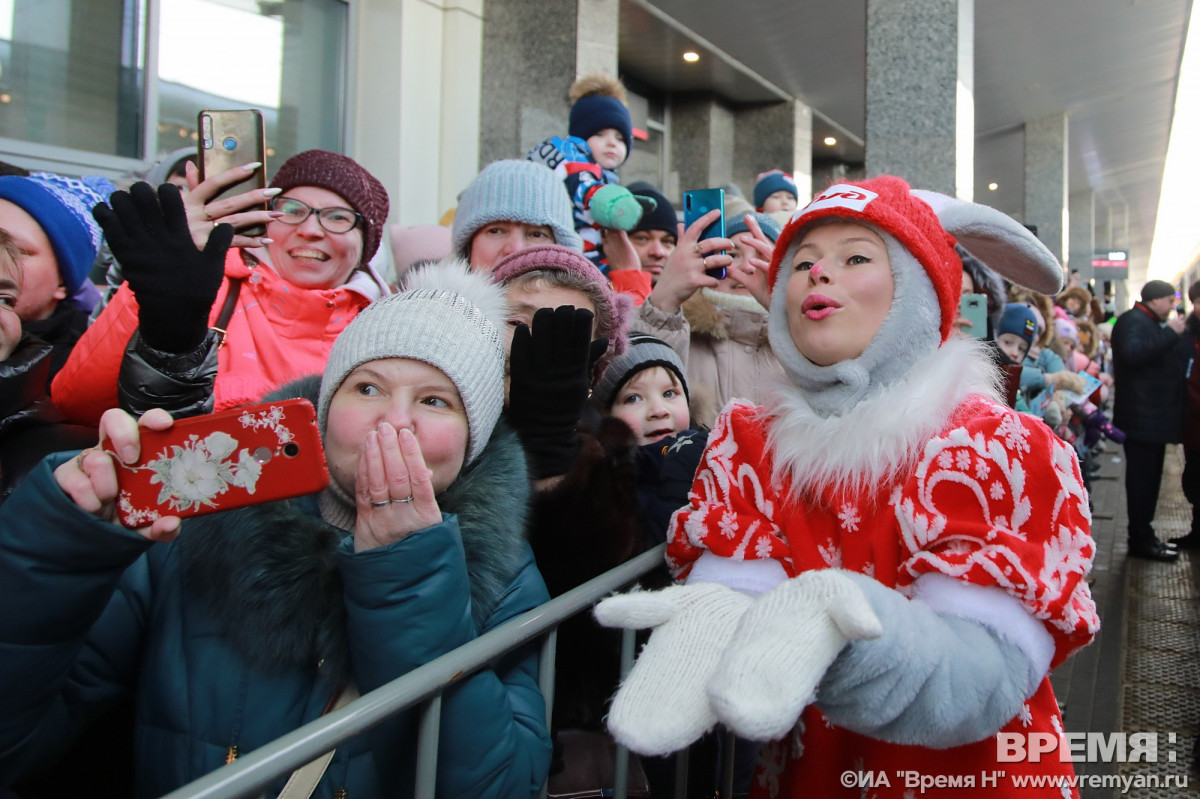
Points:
(1110, 65)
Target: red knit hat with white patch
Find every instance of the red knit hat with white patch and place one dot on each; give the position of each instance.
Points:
(887, 203)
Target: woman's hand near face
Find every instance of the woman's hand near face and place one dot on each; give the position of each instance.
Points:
(684, 273)
(90, 478)
(755, 268)
(204, 213)
(393, 489)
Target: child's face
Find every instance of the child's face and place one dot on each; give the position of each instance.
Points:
(653, 405)
(779, 201)
(840, 292)
(10, 292)
(1013, 346)
(608, 148)
(406, 394)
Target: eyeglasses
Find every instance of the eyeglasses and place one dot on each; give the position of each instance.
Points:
(334, 220)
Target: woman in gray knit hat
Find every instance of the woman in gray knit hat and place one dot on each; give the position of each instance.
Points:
(264, 614)
(509, 206)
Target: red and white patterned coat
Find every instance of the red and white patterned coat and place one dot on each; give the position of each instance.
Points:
(990, 497)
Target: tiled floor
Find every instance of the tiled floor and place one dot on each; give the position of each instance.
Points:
(1142, 673)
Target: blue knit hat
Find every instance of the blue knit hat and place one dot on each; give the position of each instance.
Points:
(737, 224)
(1019, 320)
(514, 191)
(62, 206)
(663, 217)
(595, 112)
(770, 182)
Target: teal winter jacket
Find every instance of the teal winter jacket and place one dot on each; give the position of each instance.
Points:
(245, 626)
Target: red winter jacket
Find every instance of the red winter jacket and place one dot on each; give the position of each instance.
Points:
(278, 332)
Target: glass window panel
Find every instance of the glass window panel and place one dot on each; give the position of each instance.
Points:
(285, 58)
(70, 73)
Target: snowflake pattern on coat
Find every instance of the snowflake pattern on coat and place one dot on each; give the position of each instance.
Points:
(995, 499)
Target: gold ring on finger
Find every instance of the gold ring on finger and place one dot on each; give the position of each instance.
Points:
(696, 247)
(207, 215)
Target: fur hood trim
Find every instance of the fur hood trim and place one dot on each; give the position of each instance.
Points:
(268, 573)
(881, 436)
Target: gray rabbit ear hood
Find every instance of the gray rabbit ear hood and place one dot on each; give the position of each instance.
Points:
(917, 228)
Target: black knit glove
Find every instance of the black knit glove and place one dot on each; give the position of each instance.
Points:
(549, 370)
(175, 284)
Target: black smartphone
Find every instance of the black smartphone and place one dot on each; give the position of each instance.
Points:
(234, 138)
(697, 203)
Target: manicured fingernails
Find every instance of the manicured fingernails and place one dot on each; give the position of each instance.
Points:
(275, 214)
(266, 241)
(253, 165)
(271, 192)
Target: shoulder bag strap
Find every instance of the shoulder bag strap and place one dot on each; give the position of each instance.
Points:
(304, 780)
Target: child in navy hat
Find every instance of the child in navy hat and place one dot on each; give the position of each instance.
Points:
(774, 192)
(1016, 332)
(600, 136)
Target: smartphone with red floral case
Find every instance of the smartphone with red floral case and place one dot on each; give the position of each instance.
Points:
(210, 463)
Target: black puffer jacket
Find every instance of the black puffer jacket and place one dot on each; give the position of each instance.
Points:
(1148, 374)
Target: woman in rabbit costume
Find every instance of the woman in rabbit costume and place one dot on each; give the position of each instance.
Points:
(878, 568)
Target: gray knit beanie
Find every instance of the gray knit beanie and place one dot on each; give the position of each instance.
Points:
(514, 191)
(645, 351)
(447, 317)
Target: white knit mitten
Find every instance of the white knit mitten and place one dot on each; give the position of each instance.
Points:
(782, 648)
(661, 706)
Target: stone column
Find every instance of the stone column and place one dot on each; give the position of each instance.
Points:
(702, 142)
(1046, 182)
(525, 80)
(773, 136)
(920, 93)
(1082, 236)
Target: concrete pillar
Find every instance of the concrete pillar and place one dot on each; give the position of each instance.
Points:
(524, 90)
(773, 136)
(702, 142)
(1046, 182)
(920, 97)
(416, 112)
(1082, 236)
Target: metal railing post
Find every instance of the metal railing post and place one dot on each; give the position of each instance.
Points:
(253, 771)
(427, 748)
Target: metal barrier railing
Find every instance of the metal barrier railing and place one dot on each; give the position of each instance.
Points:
(255, 770)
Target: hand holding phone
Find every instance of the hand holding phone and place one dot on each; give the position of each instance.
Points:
(232, 150)
(697, 203)
(972, 309)
(219, 461)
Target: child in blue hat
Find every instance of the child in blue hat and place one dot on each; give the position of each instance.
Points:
(600, 136)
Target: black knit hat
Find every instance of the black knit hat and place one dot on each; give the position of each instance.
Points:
(1156, 290)
(645, 352)
(663, 217)
(346, 178)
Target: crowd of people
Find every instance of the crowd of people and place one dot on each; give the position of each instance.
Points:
(876, 511)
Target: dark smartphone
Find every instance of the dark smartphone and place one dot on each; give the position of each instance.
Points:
(234, 138)
(697, 203)
(973, 308)
(210, 463)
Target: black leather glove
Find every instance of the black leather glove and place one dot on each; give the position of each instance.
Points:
(549, 381)
(175, 283)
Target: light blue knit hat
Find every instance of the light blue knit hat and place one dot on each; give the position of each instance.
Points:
(514, 191)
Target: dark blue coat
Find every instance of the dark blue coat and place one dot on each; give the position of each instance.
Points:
(241, 630)
(1147, 378)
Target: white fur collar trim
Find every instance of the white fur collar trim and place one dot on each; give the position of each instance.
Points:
(869, 445)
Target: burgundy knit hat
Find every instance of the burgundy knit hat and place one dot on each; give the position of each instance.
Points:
(887, 203)
(344, 177)
(612, 308)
